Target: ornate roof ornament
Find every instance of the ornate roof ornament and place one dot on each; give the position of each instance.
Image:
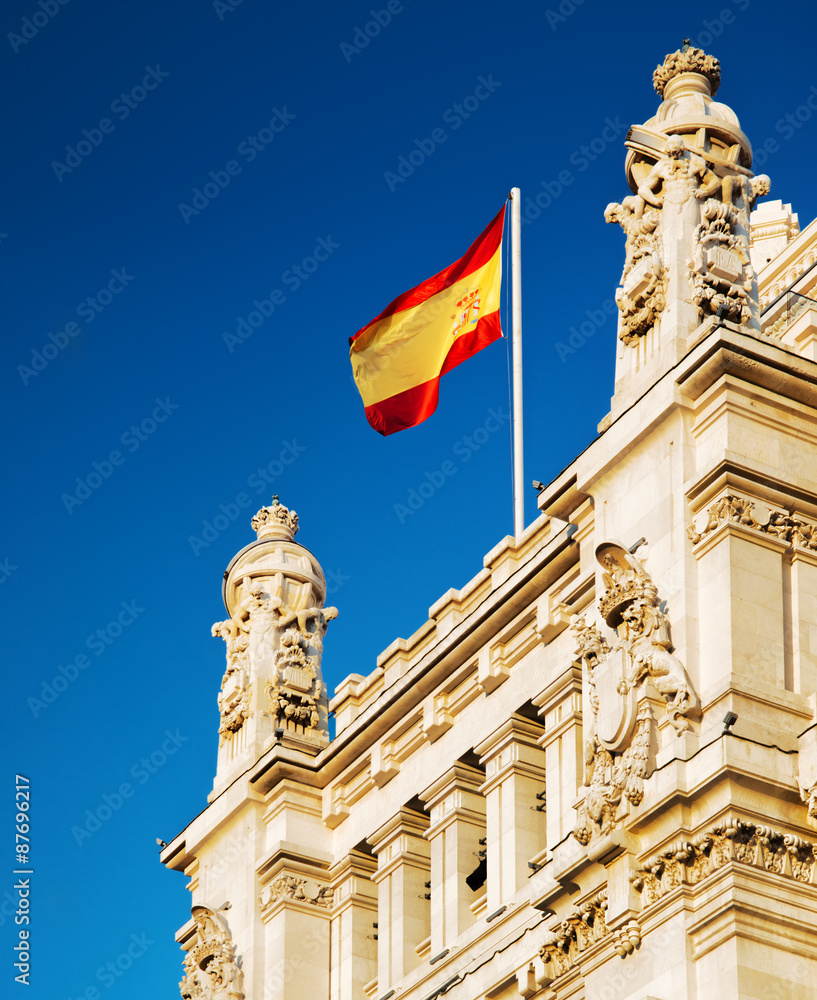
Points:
(687, 60)
(275, 521)
(625, 581)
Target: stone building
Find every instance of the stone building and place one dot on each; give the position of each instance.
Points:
(592, 772)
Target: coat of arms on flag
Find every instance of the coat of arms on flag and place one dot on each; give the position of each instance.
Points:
(399, 357)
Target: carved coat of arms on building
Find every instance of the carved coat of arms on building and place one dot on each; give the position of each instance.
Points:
(618, 748)
(210, 968)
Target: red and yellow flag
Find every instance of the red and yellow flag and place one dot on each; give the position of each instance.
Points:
(399, 357)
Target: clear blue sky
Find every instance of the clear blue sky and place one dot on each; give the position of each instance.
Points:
(114, 115)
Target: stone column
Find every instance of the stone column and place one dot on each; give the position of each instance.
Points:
(402, 908)
(354, 926)
(515, 776)
(457, 825)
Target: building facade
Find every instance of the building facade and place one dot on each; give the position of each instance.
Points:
(592, 772)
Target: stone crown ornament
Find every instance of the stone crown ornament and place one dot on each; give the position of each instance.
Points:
(275, 521)
(625, 581)
(689, 61)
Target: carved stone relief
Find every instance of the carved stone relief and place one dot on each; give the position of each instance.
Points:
(640, 297)
(677, 176)
(617, 752)
(211, 971)
(732, 839)
(301, 889)
(791, 528)
(234, 697)
(720, 270)
(694, 195)
(565, 943)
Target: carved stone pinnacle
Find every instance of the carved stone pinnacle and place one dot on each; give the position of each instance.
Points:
(275, 520)
(687, 60)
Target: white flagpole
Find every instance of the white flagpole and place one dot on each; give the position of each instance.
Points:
(516, 284)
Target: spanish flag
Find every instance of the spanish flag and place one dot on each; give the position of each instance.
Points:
(399, 357)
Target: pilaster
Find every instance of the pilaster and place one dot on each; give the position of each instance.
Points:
(402, 904)
(457, 828)
(514, 792)
(560, 706)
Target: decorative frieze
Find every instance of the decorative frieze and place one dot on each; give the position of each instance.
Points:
(301, 890)
(791, 528)
(732, 839)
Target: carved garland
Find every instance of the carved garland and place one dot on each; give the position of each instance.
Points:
(732, 839)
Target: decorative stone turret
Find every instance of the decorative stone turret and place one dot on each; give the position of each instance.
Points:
(274, 591)
(687, 224)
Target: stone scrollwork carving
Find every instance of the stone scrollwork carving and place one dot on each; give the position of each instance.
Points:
(211, 971)
(582, 927)
(234, 697)
(295, 688)
(565, 943)
(294, 691)
(618, 749)
(640, 297)
(720, 269)
(301, 889)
